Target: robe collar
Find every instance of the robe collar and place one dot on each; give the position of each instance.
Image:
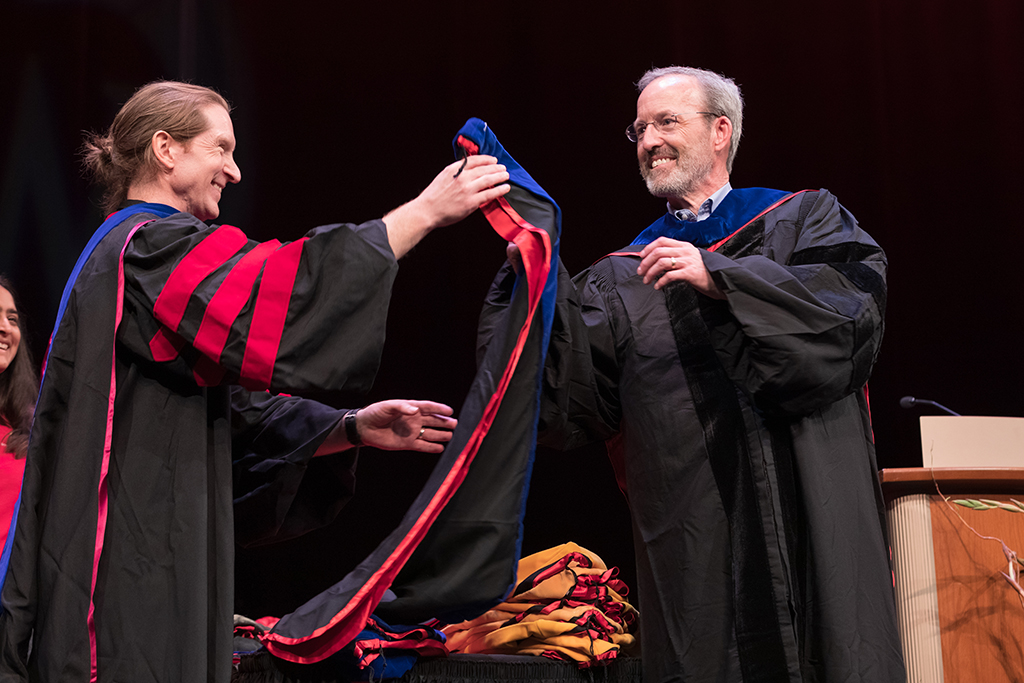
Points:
(738, 207)
(113, 220)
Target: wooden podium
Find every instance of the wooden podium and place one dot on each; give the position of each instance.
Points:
(959, 618)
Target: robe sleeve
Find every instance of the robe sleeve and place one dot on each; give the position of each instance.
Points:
(579, 392)
(280, 489)
(804, 320)
(208, 304)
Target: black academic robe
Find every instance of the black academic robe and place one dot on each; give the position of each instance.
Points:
(128, 576)
(740, 434)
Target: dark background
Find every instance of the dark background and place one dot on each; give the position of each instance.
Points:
(908, 111)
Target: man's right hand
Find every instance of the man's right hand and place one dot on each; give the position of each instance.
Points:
(449, 198)
(666, 260)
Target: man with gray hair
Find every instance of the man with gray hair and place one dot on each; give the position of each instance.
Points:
(724, 356)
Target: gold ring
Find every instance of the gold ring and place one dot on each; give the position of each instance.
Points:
(422, 429)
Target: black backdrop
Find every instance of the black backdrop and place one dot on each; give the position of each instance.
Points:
(908, 111)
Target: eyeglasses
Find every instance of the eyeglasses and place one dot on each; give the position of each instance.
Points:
(665, 124)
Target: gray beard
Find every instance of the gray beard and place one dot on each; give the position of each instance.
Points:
(685, 178)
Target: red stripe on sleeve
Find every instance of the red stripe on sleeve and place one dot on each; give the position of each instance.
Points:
(204, 258)
(165, 345)
(269, 316)
(229, 299)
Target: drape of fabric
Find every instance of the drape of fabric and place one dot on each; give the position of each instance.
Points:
(454, 554)
(379, 651)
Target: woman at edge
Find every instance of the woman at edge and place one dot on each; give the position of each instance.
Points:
(18, 389)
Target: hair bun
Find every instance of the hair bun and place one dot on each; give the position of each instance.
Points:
(106, 147)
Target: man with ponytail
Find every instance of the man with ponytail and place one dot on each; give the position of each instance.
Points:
(161, 392)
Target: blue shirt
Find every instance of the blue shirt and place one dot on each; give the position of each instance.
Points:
(705, 209)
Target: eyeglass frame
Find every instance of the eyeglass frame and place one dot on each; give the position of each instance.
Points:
(633, 137)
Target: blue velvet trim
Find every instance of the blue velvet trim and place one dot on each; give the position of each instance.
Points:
(737, 209)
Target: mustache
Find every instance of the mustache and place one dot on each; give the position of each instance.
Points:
(664, 150)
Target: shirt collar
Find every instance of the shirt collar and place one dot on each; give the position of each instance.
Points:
(706, 208)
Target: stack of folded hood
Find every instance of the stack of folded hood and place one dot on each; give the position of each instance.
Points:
(567, 605)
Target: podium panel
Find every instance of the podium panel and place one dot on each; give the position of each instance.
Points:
(960, 619)
(972, 441)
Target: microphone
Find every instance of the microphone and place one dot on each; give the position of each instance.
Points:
(910, 402)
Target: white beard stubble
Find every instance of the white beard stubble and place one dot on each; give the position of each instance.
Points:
(688, 173)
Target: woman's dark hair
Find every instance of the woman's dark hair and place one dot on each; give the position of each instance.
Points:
(125, 154)
(19, 386)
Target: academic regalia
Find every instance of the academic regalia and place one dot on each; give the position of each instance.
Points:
(122, 562)
(740, 433)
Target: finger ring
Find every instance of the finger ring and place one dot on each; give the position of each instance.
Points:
(672, 261)
(422, 429)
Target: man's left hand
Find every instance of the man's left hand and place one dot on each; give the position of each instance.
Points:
(665, 260)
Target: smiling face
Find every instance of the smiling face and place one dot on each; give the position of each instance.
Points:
(204, 166)
(10, 333)
(681, 162)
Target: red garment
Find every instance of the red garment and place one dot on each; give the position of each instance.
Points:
(11, 471)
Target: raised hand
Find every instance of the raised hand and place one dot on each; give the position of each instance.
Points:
(457, 191)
